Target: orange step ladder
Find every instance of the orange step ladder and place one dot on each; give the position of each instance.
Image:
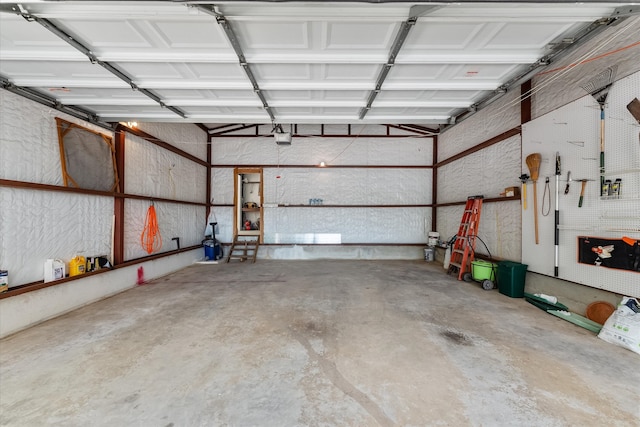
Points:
(463, 251)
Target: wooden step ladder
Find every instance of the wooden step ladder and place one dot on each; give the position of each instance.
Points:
(463, 251)
(244, 248)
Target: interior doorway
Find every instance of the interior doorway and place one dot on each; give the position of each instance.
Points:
(248, 201)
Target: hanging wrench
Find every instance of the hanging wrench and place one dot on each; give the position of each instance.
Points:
(566, 189)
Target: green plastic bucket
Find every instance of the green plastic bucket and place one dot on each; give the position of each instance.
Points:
(483, 270)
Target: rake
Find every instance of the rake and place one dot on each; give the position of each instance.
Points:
(599, 87)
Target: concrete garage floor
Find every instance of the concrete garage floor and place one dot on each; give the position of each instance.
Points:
(318, 343)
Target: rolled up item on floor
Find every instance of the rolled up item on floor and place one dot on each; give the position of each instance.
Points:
(548, 298)
(543, 304)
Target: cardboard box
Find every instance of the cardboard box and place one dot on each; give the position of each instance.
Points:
(511, 192)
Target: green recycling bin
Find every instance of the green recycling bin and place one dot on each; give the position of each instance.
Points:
(511, 277)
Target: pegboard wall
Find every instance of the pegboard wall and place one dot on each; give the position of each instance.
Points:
(573, 131)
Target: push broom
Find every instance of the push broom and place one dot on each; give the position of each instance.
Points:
(533, 163)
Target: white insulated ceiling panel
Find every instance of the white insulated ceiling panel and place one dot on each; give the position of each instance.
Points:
(19, 40)
(219, 96)
(99, 96)
(376, 35)
(59, 74)
(258, 62)
(427, 95)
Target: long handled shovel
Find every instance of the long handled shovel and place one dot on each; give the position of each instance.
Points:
(533, 163)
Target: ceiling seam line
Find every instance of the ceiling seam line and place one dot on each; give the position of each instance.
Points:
(235, 44)
(79, 46)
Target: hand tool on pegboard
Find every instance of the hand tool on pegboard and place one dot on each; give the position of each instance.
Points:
(523, 179)
(582, 188)
(566, 188)
(533, 162)
(599, 87)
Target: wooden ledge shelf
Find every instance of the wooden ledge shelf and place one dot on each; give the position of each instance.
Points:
(488, 200)
(34, 286)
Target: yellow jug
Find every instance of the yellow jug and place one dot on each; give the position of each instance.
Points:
(77, 265)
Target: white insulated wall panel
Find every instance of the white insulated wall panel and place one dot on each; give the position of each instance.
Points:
(37, 225)
(347, 186)
(222, 186)
(498, 117)
(187, 222)
(500, 228)
(29, 148)
(353, 225)
(356, 129)
(312, 150)
(564, 85)
(156, 172)
(316, 129)
(185, 136)
(486, 172)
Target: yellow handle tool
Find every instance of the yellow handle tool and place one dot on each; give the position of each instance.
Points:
(524, 178)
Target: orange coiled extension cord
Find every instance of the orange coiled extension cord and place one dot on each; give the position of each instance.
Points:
(150, 239)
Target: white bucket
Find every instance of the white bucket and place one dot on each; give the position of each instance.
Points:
(429, 254)
(433, 238)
